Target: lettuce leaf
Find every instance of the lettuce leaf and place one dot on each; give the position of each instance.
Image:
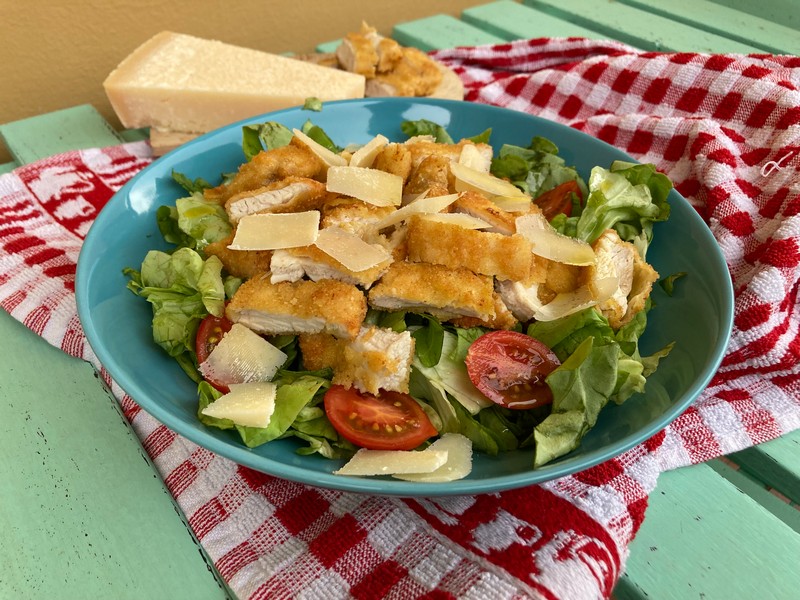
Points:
(627, 197)
(182, 289)
(202, 220)
(581, 387)
(536, 169)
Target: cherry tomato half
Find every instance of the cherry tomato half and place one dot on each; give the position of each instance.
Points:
(209, 333)
(510, 369)
(389, 421)
(558, 200)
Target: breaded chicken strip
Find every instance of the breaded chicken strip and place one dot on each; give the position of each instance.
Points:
(377, 359)
(240, 263)
(422, 147)
(292, 264)
(503, 318)
(503, 256)
(294, 159)
(396, 159)
(479, 206)
(619, 259)
(360, 218)
(435, 289)
(292, 194)
(302, 307)
(433, 175)
(415, 74)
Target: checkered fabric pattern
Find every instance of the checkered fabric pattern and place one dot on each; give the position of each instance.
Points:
(724, 128)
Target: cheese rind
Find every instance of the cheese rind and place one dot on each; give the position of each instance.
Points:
(189, 84)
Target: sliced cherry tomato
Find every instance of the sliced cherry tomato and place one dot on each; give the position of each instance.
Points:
(389, 421)
(558, 200)
(209, 333)
(510, 369)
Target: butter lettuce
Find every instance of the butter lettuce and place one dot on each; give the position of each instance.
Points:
(182, 288)
(628, 198)
(535, 169)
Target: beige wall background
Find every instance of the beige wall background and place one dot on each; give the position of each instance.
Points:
(57, 54)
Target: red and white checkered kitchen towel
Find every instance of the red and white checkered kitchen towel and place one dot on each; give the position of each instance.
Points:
(724, 128)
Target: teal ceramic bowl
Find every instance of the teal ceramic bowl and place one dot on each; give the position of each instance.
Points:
(117, 323)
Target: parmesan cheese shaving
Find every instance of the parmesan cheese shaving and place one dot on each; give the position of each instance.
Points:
(473, 158)
(434, 204)
(467, 178)
(391, 462)
(247, 404)
(354, 253)
(329, 158)
(276, 231)
(365, 156)
(369, 185)
(549, 243)
(461, 219)
(242, 356)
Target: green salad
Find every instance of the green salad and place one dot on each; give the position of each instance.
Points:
(528, 365)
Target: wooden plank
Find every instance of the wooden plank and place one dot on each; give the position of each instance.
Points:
(725, 22)
(73, 128)
(637, 27)
(776, 463)
(511, 20)
(703, 538)
(784, 12)
(442, 31)
(84, 514)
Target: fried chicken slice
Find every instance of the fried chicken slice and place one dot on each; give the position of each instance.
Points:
(240, 263)
(493, 254)
(294, 159)
(301, 307)
(441, 291)
(292, 194)
(377, 359)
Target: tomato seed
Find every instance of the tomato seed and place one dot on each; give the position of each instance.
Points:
(398, 428)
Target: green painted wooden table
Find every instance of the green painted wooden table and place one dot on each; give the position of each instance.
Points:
(76, 481)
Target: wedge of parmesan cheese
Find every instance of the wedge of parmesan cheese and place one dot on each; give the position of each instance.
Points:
(275, 231)
(247, 404)
(350, 250)
(392, 462)
(183, 83)
(242, 356)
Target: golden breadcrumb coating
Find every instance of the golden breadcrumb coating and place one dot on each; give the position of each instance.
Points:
(294, 159)
(290, 194)
(239, 263)
(441, 291)
(298, 307)
(494, 254)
